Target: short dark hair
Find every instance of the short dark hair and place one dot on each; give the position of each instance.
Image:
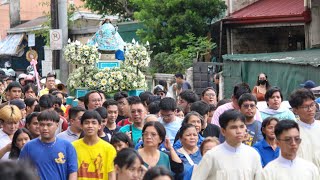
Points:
(157, 171)
(32, 86)
(110, 102)
(212, 107)
(74, 111)
(13, 84)
(228, 116)
(222, 102)
(183, 129)
(91, 114)
(17, 170)
(154, 107)
(285, 125)
(266, 122)
(134, 100)
(246, 97)
(57, 100)
(50, 75)
(297, 97)
(46, 101)
(31, 116)
(102, 111)
(168, 104)
(49, 115)
(121, 137)
(119, 95)
(153, 98)
(192, 113)
(126, 158)
(207, 89)
(86, 97)
(144, 96)
(159, 128)
(178, 75)
(270, 92)
(189, 96)
(200, 107)
(30, 101)
(240, 89)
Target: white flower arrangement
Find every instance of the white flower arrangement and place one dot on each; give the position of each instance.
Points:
(115, 79)
(136, 55)
(82, 77)
(80, 54)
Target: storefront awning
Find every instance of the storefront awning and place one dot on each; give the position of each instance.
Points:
(11, 45)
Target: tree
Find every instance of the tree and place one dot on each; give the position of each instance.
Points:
(167, 22)
(107, 7)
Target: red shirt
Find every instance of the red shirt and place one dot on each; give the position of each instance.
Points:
(124, 122)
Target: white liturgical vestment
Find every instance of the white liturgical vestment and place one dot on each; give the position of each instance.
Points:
(225, 162)
(310, 145)
(284, 169)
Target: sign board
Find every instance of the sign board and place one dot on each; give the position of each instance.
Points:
(31, 40)
(56, 39)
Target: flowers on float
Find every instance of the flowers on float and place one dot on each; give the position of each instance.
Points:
(80, 54)
(136, 55)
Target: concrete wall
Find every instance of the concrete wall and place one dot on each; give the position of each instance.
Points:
(314, 26)
(28, 10)
(265, 40)
(235, 5)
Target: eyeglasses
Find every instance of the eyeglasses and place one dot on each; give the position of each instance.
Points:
(246, 106)
(307, 107)
(290, 140)
(152, 135)
(210, 95)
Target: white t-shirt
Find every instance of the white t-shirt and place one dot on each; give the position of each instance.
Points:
(4, 140)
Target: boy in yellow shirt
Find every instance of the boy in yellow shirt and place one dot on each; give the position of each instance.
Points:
(95, 156)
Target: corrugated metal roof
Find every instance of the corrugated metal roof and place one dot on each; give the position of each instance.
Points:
(271, 9)
(10, 45)
(305, 57)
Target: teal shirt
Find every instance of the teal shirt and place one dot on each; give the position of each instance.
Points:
(163, 161)
(136, 133)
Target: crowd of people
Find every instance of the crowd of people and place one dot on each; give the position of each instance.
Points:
(154, 136)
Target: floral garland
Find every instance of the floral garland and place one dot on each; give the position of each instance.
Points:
(80, 54)
(115, 79)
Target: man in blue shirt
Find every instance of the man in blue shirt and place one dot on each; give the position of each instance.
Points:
(53, 158)
(247, 103)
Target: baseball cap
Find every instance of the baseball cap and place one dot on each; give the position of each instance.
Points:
(308, 84)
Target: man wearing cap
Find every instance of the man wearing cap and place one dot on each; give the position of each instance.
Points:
(159, 91)
(13, 91)
(308, 84)
(50, 84)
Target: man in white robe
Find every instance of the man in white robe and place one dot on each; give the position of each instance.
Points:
(303, 104)
(288, 165)
(232, 159)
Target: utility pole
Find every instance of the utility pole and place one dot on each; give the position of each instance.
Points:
(54, 25)
(63, 25)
